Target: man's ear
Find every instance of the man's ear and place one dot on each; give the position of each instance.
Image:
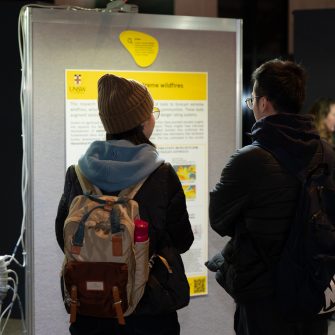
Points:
(263, 103)
(268, 107)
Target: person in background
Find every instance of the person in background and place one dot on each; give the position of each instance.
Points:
(255, 200)
(323, 110)
(126, 110)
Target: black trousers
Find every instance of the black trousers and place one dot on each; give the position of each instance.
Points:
(135, 325)
(262, 318)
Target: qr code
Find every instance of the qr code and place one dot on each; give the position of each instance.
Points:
(199, 285)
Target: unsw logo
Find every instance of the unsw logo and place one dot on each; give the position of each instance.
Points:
(329, 298)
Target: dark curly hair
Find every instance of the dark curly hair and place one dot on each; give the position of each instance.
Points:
(283, 83)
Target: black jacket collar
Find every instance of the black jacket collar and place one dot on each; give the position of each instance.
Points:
(291, 137)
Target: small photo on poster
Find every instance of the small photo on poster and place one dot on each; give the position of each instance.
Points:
(190, 191)
(186, 172)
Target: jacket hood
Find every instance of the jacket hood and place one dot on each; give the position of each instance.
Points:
(289, 136)
(118, 164)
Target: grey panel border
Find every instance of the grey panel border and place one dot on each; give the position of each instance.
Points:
(81, 17)
(239, 82)
(135, 19)
(26, 86)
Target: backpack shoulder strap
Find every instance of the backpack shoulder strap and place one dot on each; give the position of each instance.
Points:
(323, 167)
(131, 191)
(86, 185)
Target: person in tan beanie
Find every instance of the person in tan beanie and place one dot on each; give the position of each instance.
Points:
(126, 110)
(123, 104)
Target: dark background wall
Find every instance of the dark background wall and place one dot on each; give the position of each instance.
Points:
(314, 48)
(11, 207)
(265, 36)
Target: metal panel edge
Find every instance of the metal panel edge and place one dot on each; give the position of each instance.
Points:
(148, 21)
(28, 163)
(239, 81)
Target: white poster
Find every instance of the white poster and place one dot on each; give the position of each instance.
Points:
(181, 137)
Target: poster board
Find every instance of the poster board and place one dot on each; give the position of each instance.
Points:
(64, 40)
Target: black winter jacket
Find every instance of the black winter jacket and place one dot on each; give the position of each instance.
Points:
(254, 202)
(161, 202)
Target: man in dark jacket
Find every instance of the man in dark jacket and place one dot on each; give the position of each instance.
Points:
(255, 200)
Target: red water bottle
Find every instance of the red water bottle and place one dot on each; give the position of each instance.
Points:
(141, 231)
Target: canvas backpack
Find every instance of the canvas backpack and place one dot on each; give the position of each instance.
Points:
(104, 272)
(305, 274)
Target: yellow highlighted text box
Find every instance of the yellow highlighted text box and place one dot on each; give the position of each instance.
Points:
(82, 84)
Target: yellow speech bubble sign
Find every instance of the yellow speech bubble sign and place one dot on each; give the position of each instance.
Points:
(143, 47)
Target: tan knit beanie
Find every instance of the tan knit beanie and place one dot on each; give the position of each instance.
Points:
(123, 103)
